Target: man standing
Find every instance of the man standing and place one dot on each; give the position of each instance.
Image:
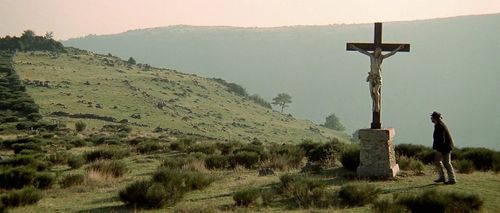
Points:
(443, 144)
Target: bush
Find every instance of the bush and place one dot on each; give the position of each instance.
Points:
(112, 168)
(246, 197)
(350, 158)
(80, 126)
(426, 156)
(136, 195)
(149, 147)
(78, 142)
(464, 166)
(113, 153)
(410, 164)
(76, 162)
(482, 158)
(178, 146)
(285, 156)
(387, 206)
(60, 157)
(196, 180)
(22, 197)
(44, 180)
(17, 177)
(306, 192)
(25, 160)
(439, 201)
(245, 158)
(217, 162)
(410, 150)
(72, 180)
(18, 147)
(358, 194)
(205, 148)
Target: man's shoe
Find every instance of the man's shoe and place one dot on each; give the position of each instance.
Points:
(450, 182)
(439, 180)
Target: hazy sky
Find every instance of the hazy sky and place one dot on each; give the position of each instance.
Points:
(74, 18)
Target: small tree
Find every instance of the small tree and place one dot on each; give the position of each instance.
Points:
(131, 60)
(49, 35)
(333, 122)
(282, 100)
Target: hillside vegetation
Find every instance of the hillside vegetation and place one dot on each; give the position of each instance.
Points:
(452, 68)
(103, 89)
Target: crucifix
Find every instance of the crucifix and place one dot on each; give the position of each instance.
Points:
(375, 75)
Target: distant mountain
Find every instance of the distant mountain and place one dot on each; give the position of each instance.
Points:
(453, 67)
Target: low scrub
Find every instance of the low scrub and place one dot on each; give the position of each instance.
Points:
(166, 187)
(306, 192)
(410, 150)
(464, 166)
(22, 197)
(76, 161)
(110, 153)
(440, 201)
(44, 180)
(149, 147)
(246, 197)
(72, 180)
(247, 159)
(410, 164)
(17, 177)
(217, 162)
(113, 169)
(358, 194)
(350, 158)
(483, 159)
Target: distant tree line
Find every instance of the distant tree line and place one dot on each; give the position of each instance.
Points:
(29, 41)
(241, 91)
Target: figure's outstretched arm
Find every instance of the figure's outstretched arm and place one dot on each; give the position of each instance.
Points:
(394, 51)
(360, 50)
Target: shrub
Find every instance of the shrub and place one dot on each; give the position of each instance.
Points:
(481, 157)
(196, 180)
(217, 162)
(410, 150)
(439, 201)
(205, 148)
(246, 197)
(350, 158)
(358, 194)
(18, 147)
(387, 206)
(178, 146)
(306, 192)
(426, 156)
(410, 164)
(80, 126)
(106, 153)
(149, 147)
(72, 180)
(25, 160)
(60, 157)
(173, 163)
(78, 142)
(464, 166)
(112, 168)
(44, 180)
(136, 195)
(17, 177)
(76, 162)
(245, 158)
(285, 156)
(22, 197)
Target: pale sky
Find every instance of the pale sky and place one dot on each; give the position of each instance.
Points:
(75, 18)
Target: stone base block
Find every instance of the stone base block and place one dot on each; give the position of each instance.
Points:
(377, 156)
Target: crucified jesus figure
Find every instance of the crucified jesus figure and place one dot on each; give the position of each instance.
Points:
(375, 75)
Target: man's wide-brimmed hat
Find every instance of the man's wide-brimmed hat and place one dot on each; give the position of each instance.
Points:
(436, 114)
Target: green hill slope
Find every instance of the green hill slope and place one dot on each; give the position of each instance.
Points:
(105, 89)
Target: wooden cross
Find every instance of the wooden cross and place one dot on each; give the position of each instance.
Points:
(377, 42)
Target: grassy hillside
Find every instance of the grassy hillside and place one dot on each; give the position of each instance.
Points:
(452, 68)
(99, 90)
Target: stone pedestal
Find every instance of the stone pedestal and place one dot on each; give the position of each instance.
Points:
(377, 157)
